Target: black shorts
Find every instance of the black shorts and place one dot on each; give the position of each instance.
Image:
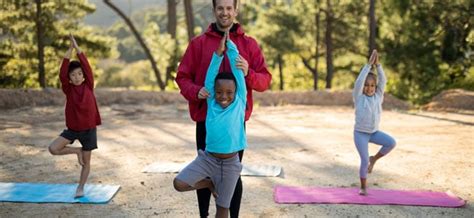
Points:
(87, 138)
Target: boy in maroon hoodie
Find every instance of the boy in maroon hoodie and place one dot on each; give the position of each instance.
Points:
(82, 114)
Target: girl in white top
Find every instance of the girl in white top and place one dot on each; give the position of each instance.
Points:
(368, 98)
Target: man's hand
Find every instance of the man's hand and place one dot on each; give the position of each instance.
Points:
(220, 50)
(243, 65)
(203, 93)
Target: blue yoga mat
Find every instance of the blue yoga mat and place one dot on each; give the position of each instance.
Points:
(56, 193)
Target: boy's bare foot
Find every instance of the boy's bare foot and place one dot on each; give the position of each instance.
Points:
(363, 191)
(79, 192)
(371, 163)
(79, 158)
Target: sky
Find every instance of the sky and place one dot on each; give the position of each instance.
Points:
(104, 16)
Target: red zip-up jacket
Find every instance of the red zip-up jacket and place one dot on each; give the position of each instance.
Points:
(81, 107)
(193, 67)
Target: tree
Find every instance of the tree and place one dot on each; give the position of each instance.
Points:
(372, 27)
(34, 37)
(347, 37)
(317, 38)
(430, 59)
(40, 44)
(171, 28)
(188, 8)
(315, 71)
(279, 31)
(140, 40)
(329, 48)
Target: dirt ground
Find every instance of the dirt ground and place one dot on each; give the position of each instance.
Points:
(313, 145)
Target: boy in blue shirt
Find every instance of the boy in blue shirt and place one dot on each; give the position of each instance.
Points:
(218, 167)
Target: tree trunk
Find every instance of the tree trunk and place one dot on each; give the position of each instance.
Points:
(172, 20)
(188, 8)
(372, 27)
(140, 40)
(240, 14)
(315, 73)
(171, 28)
(311, 69)
(329, 61)
(40, 45)
(280, 68)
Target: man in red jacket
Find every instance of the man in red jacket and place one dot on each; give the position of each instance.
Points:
(192, 73)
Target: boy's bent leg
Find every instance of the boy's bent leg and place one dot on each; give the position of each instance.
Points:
(84, 173)
(182, 186)
(197, 171)
(58, 147)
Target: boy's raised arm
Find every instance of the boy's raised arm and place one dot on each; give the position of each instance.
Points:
(86, 67)
(213, 68)
(63, 70)
(212, 72)
(233, 54)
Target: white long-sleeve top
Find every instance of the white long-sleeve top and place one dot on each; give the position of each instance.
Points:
(368, 108)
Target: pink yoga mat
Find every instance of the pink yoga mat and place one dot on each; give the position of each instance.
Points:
(317, 195)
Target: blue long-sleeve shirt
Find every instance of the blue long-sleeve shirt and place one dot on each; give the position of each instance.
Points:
(225, 126)
(368, 108)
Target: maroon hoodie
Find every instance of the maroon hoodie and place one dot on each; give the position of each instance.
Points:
(193, 67)
(81, 107)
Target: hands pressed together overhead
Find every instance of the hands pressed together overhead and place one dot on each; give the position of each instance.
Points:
(241, 63)
(72, 45)
(374, 58)
(220, 50)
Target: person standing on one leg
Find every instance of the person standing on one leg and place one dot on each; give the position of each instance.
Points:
(192, 73)
(368, 97)
(82, 113)
(217, 168)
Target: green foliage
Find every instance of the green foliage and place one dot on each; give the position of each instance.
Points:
(120, 74)
(18, 57)
(289, 30)
(425, 46)
(428, 46)
(153, 30)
